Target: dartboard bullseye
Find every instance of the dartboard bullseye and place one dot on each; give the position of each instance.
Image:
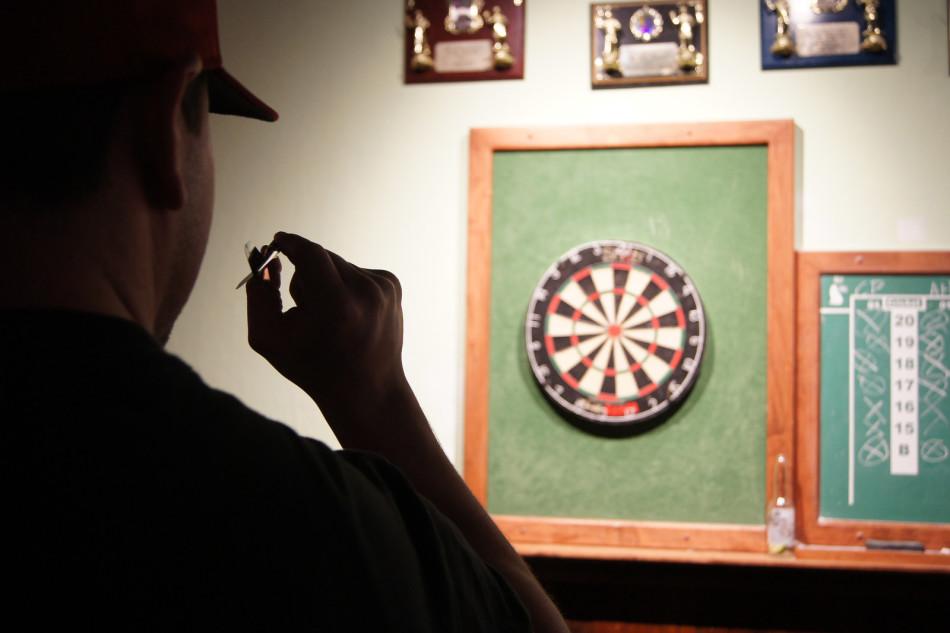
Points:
(615, 334)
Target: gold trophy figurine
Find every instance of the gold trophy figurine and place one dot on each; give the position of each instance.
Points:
(687, 58)
(610, 55)
(501, 52)
(421, 52)
(784, 45)
(874, 40)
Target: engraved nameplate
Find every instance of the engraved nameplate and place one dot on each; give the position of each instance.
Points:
(828, 38)
(463, 57)
(648, 59)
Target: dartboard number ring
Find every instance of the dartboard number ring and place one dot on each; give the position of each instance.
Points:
(615, 334)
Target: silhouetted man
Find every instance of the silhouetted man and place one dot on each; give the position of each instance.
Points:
(135, 496)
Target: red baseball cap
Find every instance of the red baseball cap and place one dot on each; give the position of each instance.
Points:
(59, 43)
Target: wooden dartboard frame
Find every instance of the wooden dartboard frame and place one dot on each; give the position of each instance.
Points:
(635, 539)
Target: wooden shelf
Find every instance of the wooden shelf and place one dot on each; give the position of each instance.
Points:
(803, 557)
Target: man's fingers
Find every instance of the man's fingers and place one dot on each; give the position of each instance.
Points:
(301, 252)
(297, 290)
(385, 276)
(316, 270)
(323, 278)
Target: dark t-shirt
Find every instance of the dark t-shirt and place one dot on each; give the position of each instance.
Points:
(135, 497)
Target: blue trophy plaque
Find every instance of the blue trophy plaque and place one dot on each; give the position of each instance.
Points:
(814, 33)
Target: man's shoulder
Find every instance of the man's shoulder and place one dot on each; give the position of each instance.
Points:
(79, 388)
(388, 554)
(135, 458)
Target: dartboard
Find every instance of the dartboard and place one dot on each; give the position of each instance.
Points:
(615, 334)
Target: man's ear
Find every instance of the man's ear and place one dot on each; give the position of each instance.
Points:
(158, 135)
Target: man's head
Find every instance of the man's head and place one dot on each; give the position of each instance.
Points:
(103, 112)
(53, 157)
(62, 43)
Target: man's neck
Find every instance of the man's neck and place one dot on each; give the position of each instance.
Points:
(70, 268)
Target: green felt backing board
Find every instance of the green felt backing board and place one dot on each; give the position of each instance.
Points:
(706, 207)
(885, 407)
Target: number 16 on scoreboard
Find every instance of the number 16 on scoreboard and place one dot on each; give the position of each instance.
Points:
(905, 342)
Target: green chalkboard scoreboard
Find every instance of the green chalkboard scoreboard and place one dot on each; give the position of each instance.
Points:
(885, 397)
(874, 399)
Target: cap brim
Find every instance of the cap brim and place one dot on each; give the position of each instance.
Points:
(227, 96)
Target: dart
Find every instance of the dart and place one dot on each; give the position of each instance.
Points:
(257, 259)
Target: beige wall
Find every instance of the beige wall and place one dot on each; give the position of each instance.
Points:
(377, 171)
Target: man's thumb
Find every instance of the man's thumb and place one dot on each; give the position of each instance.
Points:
(264, 315)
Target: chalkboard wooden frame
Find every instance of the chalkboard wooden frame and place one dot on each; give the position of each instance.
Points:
(612, 538)
(835, 539)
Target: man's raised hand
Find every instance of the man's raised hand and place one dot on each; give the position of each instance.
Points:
(342, 341)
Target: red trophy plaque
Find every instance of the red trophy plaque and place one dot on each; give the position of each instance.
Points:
(464, 40)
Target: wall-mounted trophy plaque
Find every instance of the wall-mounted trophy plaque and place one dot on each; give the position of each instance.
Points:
(811, 33)
(463, 40)
(648, 43)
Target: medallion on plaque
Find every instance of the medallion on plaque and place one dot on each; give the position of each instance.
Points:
(461, 40)
(646, 23)
(464, 17)
(648, 43)
(797, 34)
